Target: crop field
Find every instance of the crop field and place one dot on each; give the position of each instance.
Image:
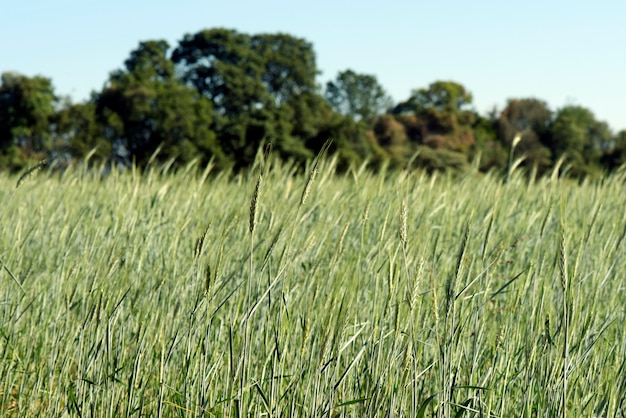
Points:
(277, 293)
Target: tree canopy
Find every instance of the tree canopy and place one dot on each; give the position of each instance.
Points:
(579, 136)
(219, 94)
(26, 106)
(254, 83)
(144, 107)
(357, 95)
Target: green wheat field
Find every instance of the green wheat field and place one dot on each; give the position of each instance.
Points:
(280, 293)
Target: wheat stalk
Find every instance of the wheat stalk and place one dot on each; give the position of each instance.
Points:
(403, 222)
(254, 203)
(309, 182)
(27, 173)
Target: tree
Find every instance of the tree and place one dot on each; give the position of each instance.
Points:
(443, 96)
(148, 62)
(443, 114)
(357, 95)
(491, 152)
(289, 72)
(288, 63)
(351, 141)
(615, 156)
(26, 105)
(531, 118)
(257, 84)
(220, 65)
(144, 107)
(577, 134)
(390, 132)
(76, 132)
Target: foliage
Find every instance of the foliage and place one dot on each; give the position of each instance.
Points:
(26, 105)
(616, 155)
(577, 133)
(254, 83)
(389, 131)
(441, 98)
(357, 95)
(289, 67)
(531, 118)
(219, 95)
(76, 133)
(443, 118)
(433, 160)
(489, 149)
(351, 142)
(144, 108)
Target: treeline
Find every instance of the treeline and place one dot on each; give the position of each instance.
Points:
(219, 94)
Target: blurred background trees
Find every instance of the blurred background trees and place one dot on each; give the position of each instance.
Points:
(577, 135)
(531, 118)
(144, 107)
(219, 94)
(27, 105)
(357, 95)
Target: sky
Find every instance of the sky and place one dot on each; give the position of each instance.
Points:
(563, 52)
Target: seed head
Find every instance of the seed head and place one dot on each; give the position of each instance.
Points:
(403, 222)
(253, 203)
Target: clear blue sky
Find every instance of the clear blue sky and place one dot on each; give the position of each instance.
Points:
(564, 52)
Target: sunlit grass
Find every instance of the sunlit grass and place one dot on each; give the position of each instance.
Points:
(354, 295)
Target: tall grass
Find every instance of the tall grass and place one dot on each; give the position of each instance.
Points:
(177, 294)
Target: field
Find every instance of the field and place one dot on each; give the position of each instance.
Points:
(281, 294)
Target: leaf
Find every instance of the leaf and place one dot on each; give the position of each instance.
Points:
(497, 292)
(352, 402)
(463, 408)
(422, 409)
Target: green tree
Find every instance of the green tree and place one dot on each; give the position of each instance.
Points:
(289, 71)
(444, 116)
(444, 96)
(357, 95)
(531, 118)
(76, 132)
(257, 84)
(615, 155)
(26, 105)
(288, 65)
(352, 142)
(577, 133)
(488, 148)
(308, 113)
(390, 132)
(220, 64)
(148, 62)
(144, 107)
